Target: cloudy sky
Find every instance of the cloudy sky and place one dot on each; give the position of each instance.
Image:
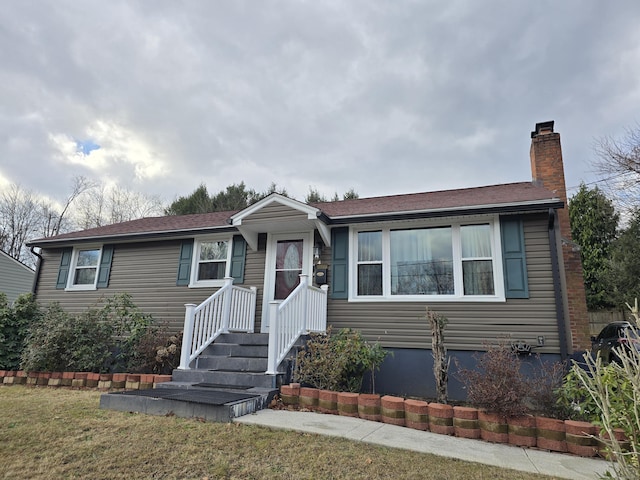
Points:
(382, 97)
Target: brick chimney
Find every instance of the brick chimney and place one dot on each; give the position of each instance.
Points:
(547, 170)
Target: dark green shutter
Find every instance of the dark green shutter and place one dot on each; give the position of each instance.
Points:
(105, 266)
(238, 255)
(340, 263)
(516, 284)
(63, 271)
(184, 263)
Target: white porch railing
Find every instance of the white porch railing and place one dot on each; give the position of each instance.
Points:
(303, 311)
(230, 308)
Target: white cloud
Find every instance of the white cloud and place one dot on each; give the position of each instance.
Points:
(119, 148)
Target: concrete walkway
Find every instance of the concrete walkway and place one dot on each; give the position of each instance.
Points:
(527, 460)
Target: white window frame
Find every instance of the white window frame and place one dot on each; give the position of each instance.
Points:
(74, 266)
(455, 224)
(195, 261)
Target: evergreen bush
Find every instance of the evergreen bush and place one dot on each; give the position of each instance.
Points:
(103, 338)
(14, 326)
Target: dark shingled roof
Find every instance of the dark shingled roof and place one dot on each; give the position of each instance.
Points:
(167, 224)
(510, 193)
(445, 200)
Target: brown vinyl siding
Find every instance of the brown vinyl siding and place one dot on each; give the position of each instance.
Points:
(275, 213)
(147, 271)
(471, 324)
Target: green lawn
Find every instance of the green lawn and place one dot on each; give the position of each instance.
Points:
(61, 433)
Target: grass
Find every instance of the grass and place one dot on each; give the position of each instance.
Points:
(61, 433)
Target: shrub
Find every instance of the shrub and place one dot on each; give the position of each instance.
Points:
(61, 342)
(129, 326)
(97, 340)
(500, 385)
(158, 352)
(337, 361)
(14, 325)
(612, 397)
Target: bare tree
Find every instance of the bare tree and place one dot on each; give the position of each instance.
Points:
(24, 215)
(104, 205)
(619, 165)
(55, 221)
(19, 221)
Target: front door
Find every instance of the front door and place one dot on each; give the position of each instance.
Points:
(288, 256)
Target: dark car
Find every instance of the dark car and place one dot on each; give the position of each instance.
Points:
(616, 334)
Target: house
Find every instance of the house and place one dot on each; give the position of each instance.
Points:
(495, 260)
(15, 277)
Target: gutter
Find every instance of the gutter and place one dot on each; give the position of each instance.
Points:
(557, 286)
(130, 237)
(39, 263)
(525, 207)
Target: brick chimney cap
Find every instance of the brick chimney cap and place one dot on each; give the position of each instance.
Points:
(543, 128)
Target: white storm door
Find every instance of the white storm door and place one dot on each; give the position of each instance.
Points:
(288, 256)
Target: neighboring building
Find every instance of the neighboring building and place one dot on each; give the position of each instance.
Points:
(15, 277)
(495, 260)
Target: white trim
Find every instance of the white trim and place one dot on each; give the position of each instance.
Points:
(195, 261)
(311, 212)
(70, 287)
(269, 267)
(496, 246)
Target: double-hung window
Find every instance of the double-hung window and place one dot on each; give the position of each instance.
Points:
(211, 261)
(477, 259)
(431, 262)
(370, 263)
(84, 268)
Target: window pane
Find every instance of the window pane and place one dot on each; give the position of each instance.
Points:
(289, 255)
(478, 277)
(286, 282)
(88, 258)
(213, 251)
(476, 241)
(422, 262)
(85, 276)
(369, 246)
(370, 279)
(211, 270)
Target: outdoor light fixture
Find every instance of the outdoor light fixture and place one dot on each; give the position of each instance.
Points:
(316, 253)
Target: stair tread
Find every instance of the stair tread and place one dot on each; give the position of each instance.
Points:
(228, 370)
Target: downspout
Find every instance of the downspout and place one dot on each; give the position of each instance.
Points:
(36, 280)
(557, 286)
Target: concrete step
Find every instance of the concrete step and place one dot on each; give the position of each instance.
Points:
(236, 350)
(244, 338)
(210, 404)
(238, 364)
(228, 378)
